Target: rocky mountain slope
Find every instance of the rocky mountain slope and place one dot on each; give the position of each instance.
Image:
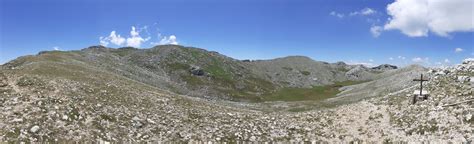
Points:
(197, 72)
(133, 95)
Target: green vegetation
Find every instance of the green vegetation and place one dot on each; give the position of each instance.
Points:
(124, 51)
(287, 68)
(218, 72)
(316, 93)
(178, 66)
(192, 80)
(306, 73)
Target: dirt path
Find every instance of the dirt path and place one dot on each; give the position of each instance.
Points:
(362, 121)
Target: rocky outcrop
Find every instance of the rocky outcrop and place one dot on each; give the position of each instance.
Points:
(385, 67)
(359, 72)
(197, 71)
(3, 80)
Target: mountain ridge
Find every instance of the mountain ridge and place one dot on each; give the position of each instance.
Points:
(171, 67)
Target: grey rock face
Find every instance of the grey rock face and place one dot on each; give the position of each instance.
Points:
(385, 67)
(359, 72)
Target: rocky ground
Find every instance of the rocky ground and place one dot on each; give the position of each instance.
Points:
(113, 109)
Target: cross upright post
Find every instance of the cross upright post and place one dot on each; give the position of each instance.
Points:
(421, 80)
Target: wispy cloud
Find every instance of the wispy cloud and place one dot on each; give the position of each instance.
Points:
(56, 48)
(168, 40)
(363, 12)
(446, 61)
(458, 50)
(420, 60)
(364, 63)
(339, 15)
(376, 31)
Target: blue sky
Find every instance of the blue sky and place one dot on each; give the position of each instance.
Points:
(354, 31)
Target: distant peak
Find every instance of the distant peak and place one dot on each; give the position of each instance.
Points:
(97, 47)
(340, 63)
(297, 58)
(385, 67)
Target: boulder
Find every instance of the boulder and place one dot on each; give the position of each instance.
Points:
(463, 78)
(197, 71)
(440, 73)
(468, 61)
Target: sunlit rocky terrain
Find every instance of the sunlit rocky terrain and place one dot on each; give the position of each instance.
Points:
(172, 93)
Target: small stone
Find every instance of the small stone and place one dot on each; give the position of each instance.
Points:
(253, 138)
(17, 120)
(65, 117)
(135, 118)
(35, 129)
(145, 137)
(150, 121)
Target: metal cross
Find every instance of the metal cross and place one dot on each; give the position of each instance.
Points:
(421, 80)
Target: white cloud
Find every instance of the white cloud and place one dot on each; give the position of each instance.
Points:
(168, 40)
(417, 59)
(362, 63)
(112, 38)
(135, 40)
(104, 41)
(420, 60)
(446, 61)
(367, 64)
(401, 57)
(339, 15)
(363, 12)
(416, 18)
(376, 31)
(56, 48)
(368, 11)
(458, 50)
(116, 39)
(390, 58)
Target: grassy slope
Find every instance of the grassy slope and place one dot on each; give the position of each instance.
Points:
(317, 93)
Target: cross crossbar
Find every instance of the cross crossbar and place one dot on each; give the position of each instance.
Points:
(421, 80)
